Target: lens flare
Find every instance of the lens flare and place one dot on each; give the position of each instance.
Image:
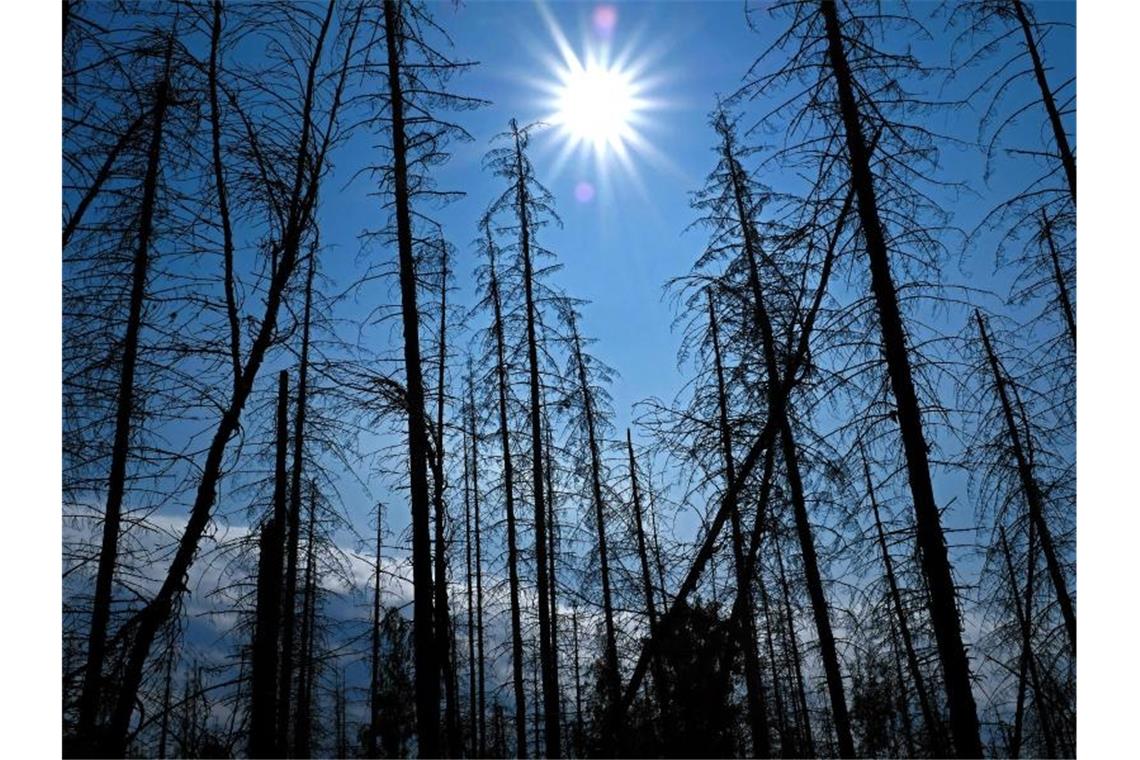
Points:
(605, 21)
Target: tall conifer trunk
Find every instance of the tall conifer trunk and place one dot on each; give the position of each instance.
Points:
(426, 656)
(1029, 486)
(125, 410)
(746, 625)
(545, 646)
(509, 498)
(931, 540)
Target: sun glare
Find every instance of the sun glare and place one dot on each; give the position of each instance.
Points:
(599, 98)
(595, 105)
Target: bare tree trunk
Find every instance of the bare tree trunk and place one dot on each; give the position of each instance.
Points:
(91, 695)
(472, 723)
(267, 634)
(549, 671)
(646, 579)
(746, 628)
(427, 662)
(443, 624)
(482, 725)
(509, 487)
(374, 681)
(1023, 623)
(1059, 280)
(903, 701)
(1030, 488)
(794, 645)
(812, 574)
(786, 749)
(303, 729)
(157, 612)
(1067, 160)
(552, 555)
(285, 687)
(933, 724)
(931, 540)
(578, 733)
(612, 677)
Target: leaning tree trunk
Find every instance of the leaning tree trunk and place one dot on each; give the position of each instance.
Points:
(746, 628)
(1023, 623)
(1067, 160)
(812, 575)
(147, 623)
(1059, 280)
(545, 646)
(427, 662)
(612, 676)
(931, 539)
(1030, 487)
(646, 580)
(509, 497)
(92, 694)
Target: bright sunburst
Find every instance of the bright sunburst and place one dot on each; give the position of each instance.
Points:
(596, 105)
(598, 101)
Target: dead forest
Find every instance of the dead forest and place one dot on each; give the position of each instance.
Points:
(373, 499)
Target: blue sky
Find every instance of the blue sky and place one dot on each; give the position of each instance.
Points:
(619, 249)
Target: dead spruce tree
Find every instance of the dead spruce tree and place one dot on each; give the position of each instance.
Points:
(495, 346)
(521, 210)
(848, 64)
(292, 217)
(415, 72)
(125, 405)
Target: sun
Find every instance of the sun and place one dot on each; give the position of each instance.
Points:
(601, 101)
(596, 105)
